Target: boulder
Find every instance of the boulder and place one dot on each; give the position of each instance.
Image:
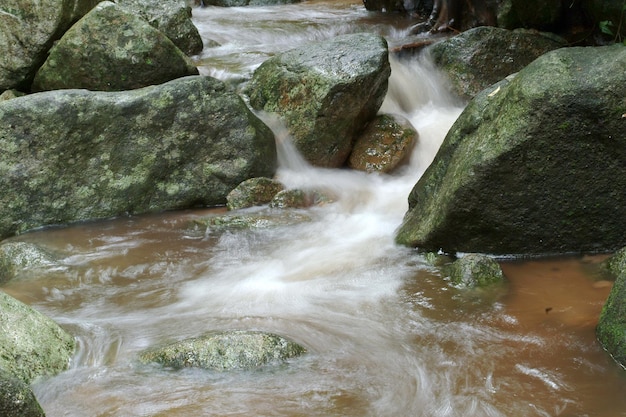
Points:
(75, 155)
(293, 198)
(18, 256)
(253, 192)
(386, 142)
(611, 329)
(111, 49)
(173, 18)
(325, 93)
(533, 165)
(225, 351)
(16, 398)
(249, 219)
(31, 344)
(474, 270)
(28, 29)
(480, 57)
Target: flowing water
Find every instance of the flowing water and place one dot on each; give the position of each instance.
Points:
(386, 334)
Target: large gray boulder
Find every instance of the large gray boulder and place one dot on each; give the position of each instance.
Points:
(74, 154)
(173, 18)
(31, 344)
(27, 30)
(533, 165)
(611, 329)
(480, 57)
(111, 49)
(225, 351)
(325, 93)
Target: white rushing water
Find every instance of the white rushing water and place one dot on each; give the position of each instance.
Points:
(385, 334)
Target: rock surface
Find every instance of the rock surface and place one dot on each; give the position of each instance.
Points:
(110, 49)
(173, 18)
(225, 351)
(480, 57)
(325, 93)
(17, 256)
(253, 192)
(534, 165)
(611, 329)
(75, 155)
(27, 30)
(31, 344)
(16, 398)
(386, 142)
(475, 270)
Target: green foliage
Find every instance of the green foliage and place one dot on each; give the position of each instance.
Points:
(609, 28)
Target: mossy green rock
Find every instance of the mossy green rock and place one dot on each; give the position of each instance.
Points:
(173, 18)
(480, 57)
(28, 29)
(475, 270)
(225, 351)
(325, 93)
(111, 49)
(533, 165)
(16, 398)
(18, 256)
(75, 155)
(386, 142)
(611, 329)
(253, 192)
(31, 344)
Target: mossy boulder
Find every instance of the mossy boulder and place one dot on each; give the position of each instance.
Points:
(325, 93)
(111, 49)
(533, 165)
(173, 18)
(480, 57)
(31, 344)
(253, 192)
(386, 143)
(75, 155)
(15, 257)
(225, 351)
(611, 329)
(475, 270)
(16, 398)
(28, 28)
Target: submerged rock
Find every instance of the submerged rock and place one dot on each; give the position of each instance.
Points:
(16, 398)
(293, 198)
(475, 270)
(480, 57)
(173, 18)
(325, 93)
(225, 351)
(17, 256)
(256, 219)
(31, 344)
(74, 155)
(253, 192)
(611, 329)
(533, 165)
(386, 142)
(28, 29)
(110, 49)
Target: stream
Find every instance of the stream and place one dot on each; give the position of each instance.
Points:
(387, 335)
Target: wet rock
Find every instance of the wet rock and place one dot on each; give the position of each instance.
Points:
(9, 94)
(294, 198)
(240, 3)
(16, 398)
(384, 145)
(474, 270)
(253, 192)
(225, 351)
(325, 93)
(256, 219)
(31, 344)
(17, 256)
(611, 329)
(616, 264)
(110, 49)
(173, 18)
(27, 30)
(533, 165)
(480, 57)
(74, 155)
